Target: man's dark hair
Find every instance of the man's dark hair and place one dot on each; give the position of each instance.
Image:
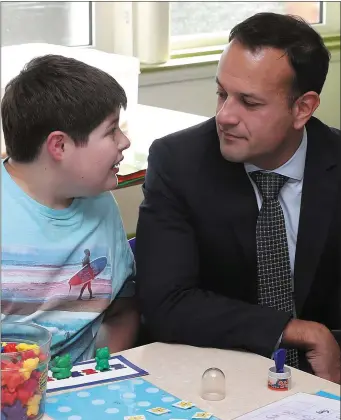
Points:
(304, 47)
(51, 93)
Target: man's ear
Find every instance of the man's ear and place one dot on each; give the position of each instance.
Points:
(304, 108)
(56, 144)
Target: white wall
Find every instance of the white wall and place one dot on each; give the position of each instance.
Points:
(193, 90)
(329, 110)
(196, 96)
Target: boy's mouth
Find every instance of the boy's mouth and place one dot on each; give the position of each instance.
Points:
(115, 167)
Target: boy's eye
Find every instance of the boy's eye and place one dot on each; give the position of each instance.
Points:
(111, 132)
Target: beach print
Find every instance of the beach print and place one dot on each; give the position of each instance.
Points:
(63, 297)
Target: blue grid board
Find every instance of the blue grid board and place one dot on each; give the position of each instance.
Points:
(115, 401)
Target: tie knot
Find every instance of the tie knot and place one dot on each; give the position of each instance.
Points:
(269, 183)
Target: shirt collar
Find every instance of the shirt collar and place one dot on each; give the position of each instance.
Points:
(294, 167)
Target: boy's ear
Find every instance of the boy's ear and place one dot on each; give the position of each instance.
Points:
(56, 144)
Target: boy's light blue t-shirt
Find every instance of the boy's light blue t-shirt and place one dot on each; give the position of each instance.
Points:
(61, 269)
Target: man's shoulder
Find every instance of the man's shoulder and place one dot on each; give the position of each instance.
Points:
(335, 130)
(321, 129)
(323, 141)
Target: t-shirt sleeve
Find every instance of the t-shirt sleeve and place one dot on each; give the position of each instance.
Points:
(124, 263)
(128, 289)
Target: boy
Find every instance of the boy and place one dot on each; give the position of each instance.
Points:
(60, 121)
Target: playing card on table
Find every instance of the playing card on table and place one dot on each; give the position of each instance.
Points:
(158, 410)
(183, 404)
(202, 415)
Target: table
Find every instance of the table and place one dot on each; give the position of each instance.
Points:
(178, 369)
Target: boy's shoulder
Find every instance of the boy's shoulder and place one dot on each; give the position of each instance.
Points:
(105, 198)
(103, 204)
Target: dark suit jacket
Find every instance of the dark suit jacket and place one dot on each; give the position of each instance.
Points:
(196, 245)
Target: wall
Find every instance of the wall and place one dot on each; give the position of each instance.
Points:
(128, 200)
(192, 90)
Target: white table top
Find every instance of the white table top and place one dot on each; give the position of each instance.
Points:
(178, 369)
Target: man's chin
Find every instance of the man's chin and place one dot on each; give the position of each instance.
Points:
(232, 156)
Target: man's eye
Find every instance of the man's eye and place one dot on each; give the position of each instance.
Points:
(221, 94)
(250, 104)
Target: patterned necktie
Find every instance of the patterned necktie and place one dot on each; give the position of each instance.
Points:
(274, 273)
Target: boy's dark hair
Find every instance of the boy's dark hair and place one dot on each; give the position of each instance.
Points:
(51, 93)
(304, 47)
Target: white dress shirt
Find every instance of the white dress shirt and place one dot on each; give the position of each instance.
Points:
(290, 194)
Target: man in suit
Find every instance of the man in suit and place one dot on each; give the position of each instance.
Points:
(237, 239)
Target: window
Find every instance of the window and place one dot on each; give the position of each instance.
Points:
(63, 23)
(204, 24)
(109, 26)
(206, 17)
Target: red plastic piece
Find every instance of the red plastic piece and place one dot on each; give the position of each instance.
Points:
(28, 354)
(10, 348)
(27, 390)
(42, 357)
(11, 379)
(89, 371)
(7, 397)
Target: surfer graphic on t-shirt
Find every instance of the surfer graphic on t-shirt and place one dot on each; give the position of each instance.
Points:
(89, 271)
(86, 264)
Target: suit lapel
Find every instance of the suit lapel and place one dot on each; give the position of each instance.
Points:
(317, 206)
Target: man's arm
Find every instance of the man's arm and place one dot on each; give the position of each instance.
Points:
(120, 325)
(167, 258)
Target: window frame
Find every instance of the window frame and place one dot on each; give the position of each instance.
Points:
(112, 27)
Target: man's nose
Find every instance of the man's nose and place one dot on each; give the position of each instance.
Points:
(228, 114)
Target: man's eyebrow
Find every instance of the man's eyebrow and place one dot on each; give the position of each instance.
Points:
(251, 96)
(217, 82)
(248, 95)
